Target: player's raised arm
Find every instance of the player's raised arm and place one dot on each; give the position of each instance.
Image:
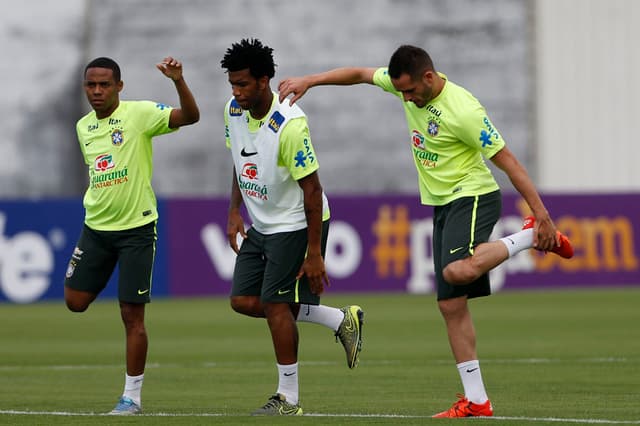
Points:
(188, 113)
(298, 86)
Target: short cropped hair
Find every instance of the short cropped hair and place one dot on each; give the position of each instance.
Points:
(410, 60)
(104, 62)
(250, 54)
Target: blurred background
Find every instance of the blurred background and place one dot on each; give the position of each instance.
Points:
(557, 77)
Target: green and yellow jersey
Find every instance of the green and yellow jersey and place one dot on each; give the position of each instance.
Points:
(119, 154)
(449, 137)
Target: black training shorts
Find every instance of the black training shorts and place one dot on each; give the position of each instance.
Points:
(97, 253)
(267, 266)
(458, 227)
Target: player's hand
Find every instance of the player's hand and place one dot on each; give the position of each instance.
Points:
(171, 68)
(297, 86)
(545, 237)
(235, 226)
(313, 268)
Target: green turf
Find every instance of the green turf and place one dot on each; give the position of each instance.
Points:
(544, 356)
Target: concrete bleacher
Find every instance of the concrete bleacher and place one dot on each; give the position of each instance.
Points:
(359, 132)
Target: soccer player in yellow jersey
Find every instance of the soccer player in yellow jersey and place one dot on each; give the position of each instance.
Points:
(120, 221)
(449, 134)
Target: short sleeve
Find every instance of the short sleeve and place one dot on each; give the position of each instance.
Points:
(296, 151)
(475, 129)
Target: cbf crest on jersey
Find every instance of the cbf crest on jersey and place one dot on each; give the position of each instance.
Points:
(433, 128)
(117, 137)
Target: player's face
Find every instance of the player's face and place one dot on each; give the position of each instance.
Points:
(102, 91)
(419, 91)
(246, 89)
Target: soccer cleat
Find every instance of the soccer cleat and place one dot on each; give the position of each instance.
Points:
(465, 408)
(350, 333)
(277, 405)
(126, 407)
(565, 249)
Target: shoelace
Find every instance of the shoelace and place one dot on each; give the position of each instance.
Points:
(273, 402)
(126, 403)
(461, 398)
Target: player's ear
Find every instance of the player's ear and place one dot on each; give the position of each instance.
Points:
(427, 77)
(120, 86)
(263, 82)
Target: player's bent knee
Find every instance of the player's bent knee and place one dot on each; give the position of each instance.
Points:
(78, 301)
(250, 306)
(458, 273)
(237, 305)
(75, 306)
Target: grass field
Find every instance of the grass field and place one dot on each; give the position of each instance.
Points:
(547, 358)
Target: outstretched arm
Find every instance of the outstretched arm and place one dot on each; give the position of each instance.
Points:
(188, 113)
(339, 76)
(544, 236)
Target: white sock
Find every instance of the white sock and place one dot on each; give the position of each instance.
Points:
(472, 381)
(288, 382)
(519, 241)
(321, 314)
(133, 387)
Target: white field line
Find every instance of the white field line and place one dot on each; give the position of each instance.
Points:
(212, 364)
(369, 416)
(380, 416)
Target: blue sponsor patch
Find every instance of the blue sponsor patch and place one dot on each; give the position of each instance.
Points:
(275, 121)
(300, 159)
(486, 136)
(235, 110)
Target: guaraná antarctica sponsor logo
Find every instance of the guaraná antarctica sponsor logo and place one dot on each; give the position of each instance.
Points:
(103, 174)
(251, 187)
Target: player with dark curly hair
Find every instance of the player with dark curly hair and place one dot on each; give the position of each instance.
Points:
(279, 272)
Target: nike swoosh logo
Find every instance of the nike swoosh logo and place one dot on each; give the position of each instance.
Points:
(512, 242)
(281, 292)
(247, 154)
(88, 143)
(451, 251)
(348, 322)
(141, 292)
(471, 370)
(289, 375)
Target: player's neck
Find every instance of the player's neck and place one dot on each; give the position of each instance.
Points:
(437, 86)
(263, 107)
(104, 114)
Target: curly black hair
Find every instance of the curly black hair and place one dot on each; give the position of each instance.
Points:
(250, 54)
